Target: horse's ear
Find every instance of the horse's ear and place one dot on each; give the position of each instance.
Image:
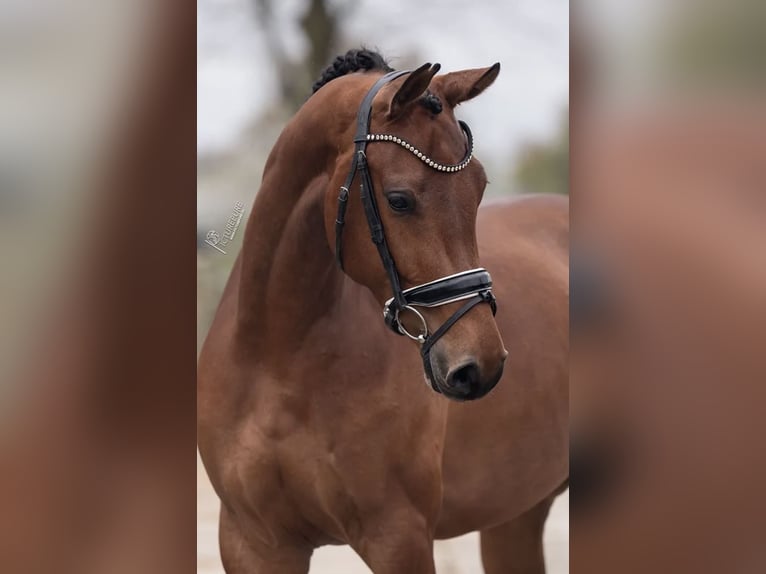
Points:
(460, 86)
(412, 88)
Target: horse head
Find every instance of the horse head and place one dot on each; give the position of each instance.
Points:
(416, 187)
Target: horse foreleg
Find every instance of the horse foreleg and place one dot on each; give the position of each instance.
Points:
(397, 545)
(243, 556)
(516, 547)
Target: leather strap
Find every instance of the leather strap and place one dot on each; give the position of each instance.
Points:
(425, 350)
(360, 145)
(376, 230)
(484, 297)
(447, 289)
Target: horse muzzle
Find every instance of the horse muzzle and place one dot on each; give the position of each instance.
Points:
(466, 381)
(474, 287)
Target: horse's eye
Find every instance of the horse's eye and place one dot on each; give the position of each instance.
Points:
(400, 202)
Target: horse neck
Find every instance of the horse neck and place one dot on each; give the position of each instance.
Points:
(288, 276)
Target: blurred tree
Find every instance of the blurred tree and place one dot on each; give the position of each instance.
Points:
(320, 24)
(544, 168)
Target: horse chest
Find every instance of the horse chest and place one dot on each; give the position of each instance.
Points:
(314, 465)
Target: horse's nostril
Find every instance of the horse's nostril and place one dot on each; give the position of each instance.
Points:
(465, 378)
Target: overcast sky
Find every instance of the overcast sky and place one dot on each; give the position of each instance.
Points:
(529, 37)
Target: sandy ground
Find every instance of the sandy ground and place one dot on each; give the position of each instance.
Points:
(456, 556)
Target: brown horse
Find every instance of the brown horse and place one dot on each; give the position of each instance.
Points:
(314, 423)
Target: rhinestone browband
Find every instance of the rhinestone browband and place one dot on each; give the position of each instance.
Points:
(420, 155)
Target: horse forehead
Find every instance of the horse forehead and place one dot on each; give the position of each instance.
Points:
(347, 93)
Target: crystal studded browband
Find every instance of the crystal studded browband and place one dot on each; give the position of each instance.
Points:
(423, 157)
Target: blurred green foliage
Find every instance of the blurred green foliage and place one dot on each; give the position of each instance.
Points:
(718, 43)
(544, 168)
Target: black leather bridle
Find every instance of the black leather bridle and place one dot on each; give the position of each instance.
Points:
(473, 286)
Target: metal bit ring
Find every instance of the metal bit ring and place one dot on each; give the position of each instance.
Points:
(419, 338)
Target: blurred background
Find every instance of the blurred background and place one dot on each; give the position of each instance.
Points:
(256, 61)
(668, 276)
(97, 342)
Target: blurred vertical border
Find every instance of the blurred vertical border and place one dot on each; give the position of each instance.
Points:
(668, 284)
(97, 296)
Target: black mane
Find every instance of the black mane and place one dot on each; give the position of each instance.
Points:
(351, 61)
(364, 59)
